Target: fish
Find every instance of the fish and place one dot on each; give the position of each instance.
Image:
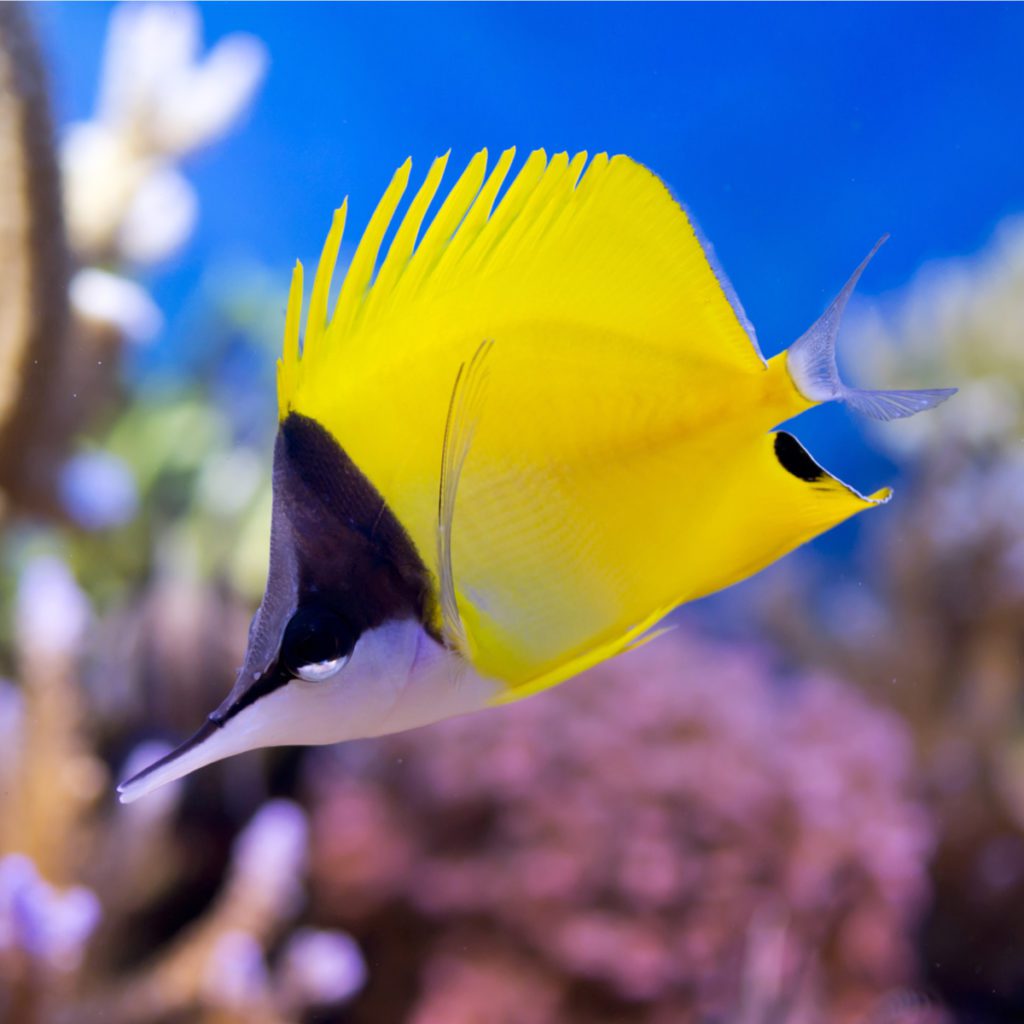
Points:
(534, 426)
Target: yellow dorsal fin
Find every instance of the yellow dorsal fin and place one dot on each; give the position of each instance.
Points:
(518, 192)
(444, 225)
(288, 364)
(479, 213)
(401, 248)
(555, 207)
(357, 280)
(316, 319)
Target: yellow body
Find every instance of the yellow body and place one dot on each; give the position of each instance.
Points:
(623, 462)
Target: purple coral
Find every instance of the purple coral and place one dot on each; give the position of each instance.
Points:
(49, 925)
(321, 967)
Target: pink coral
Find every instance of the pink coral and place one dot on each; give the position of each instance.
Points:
(614, 842)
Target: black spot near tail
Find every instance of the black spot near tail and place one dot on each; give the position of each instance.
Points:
(793, 458)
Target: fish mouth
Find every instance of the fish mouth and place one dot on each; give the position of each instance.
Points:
(171, 766)
(220, 736)
(200, 749)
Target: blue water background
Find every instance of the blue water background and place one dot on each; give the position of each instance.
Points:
(796, 133)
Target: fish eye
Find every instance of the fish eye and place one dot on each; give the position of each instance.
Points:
(317, 643)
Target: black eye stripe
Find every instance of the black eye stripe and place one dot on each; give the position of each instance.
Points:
(314, 634)
(268, 683)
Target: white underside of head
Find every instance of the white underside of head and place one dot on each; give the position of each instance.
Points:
(398, 678)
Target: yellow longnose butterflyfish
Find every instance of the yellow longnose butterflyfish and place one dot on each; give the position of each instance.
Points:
(523, 436)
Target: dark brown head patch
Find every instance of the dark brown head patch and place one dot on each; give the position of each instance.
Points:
(349, 549)
(335, 545)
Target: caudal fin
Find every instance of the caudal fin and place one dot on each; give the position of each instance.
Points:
(811, 360)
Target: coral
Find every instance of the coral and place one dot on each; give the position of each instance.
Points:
(939, 634)
(218, 961)
(60, 939)
(83, 885)
(159, 100)
(68, 301)
(33, 288)
(636, 845)
(54, 776)
(958, 319)
(47, 925)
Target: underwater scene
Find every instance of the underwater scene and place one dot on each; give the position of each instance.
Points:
(507, 553)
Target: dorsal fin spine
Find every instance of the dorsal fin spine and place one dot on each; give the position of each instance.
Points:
(512, 203)
(316, 317)
(559, 196)
(555, 192)
(445, 223)
(401, 249)
(288, 364)
(529, 220)
(360, 271)
(478, 215)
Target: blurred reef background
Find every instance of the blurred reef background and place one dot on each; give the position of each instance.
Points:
(805, 804)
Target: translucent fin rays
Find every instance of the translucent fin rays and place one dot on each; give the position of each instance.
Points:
(464, 412)
(812, 365)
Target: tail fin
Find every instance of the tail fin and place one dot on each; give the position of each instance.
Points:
(811, 360)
